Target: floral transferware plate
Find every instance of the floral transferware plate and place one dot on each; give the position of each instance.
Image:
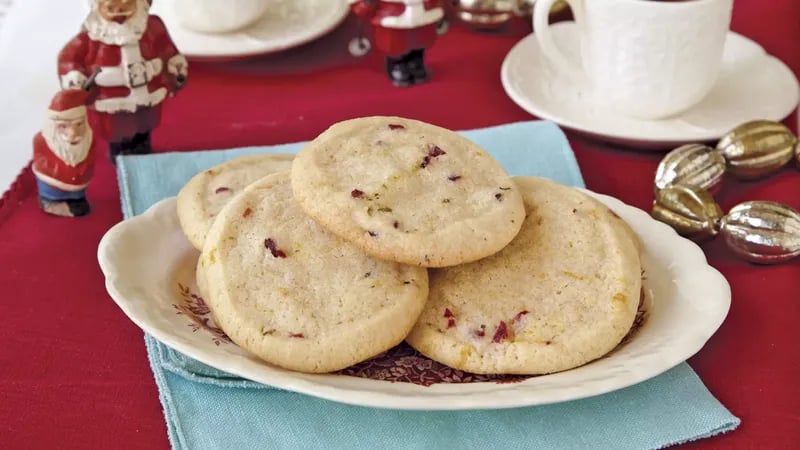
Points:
(287, 24)
(149, 268)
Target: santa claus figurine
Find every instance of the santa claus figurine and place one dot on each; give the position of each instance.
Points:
(63, 159)
(135, 64)
(402, 30)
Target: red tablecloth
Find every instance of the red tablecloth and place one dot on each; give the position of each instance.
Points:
(73, 372)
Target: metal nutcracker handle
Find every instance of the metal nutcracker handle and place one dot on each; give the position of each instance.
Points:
(180, 80)
(359, 46)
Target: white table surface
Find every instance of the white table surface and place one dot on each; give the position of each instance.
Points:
(32, 33)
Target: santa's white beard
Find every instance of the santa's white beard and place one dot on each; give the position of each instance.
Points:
(71, 154)
(113, 33)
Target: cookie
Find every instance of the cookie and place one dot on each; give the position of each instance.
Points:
(200, 280)
(407, 191)
(298, 296)
(202, 198)
(564, 292)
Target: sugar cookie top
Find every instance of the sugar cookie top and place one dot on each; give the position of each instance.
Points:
(297, 295)
(563, 293)
(202, 198)
(407, 191)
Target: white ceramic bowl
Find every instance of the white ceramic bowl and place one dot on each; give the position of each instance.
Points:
(219, 16)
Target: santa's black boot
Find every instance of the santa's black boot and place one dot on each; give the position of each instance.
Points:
(114, 149)
(398, 72)
(416, 65)
(79, 207)
(124, 147)
(141, 144)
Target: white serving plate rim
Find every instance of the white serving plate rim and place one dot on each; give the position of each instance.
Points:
(689, 272)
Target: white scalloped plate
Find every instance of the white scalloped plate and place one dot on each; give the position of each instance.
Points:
(145, 258)
(287, 24)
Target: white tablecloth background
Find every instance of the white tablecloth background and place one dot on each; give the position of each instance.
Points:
(32, 33)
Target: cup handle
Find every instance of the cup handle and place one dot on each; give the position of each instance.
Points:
(541, 30)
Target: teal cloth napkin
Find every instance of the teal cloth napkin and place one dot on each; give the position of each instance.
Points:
(209, 409)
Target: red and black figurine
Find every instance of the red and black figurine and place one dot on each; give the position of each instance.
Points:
(137, 67)
(63, 156)
(401, 30)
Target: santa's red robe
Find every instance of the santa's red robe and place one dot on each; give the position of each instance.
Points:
(134, 78)
(400, 26)
(66, 177)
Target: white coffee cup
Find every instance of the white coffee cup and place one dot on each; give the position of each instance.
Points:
(219, 16)
(643, 58)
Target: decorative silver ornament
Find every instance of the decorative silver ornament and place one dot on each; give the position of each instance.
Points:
(757, 149)
(762, 232)
(492, 14)
(690, 210)
(692, 164)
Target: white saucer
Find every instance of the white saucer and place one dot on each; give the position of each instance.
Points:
(752, 85)
(287, 24)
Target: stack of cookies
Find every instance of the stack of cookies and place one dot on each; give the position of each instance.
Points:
(385, 229)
